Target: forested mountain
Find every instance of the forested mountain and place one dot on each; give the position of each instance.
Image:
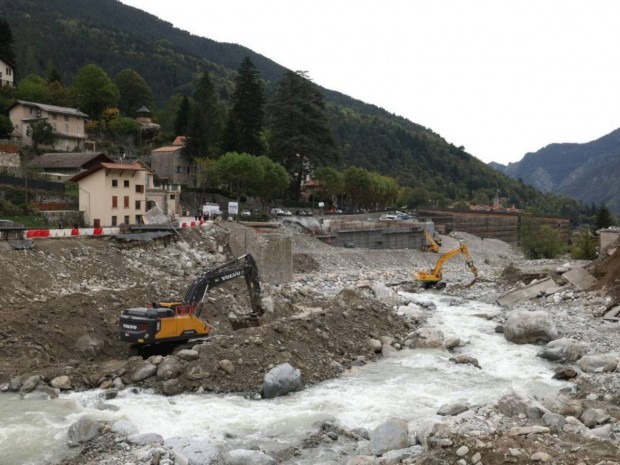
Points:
(65, 35)
(588, 172)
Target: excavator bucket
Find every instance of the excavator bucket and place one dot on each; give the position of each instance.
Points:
(241, 323)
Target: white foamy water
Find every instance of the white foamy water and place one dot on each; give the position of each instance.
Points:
(412, 385)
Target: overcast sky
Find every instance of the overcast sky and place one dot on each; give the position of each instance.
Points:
(499, 77)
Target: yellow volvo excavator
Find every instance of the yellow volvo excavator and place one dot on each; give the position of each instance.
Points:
(179, 320)
(433, 277)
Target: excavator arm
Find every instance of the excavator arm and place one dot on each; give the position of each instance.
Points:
(241, 266)
(432, 245)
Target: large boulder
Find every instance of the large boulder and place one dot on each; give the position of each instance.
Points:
(84, 429)
(194, 452)
(248, 457)
(170, 367)
(143, 371)
(391, 435)
(281, 380)
(523, 327)
(518, 402)
(426, 338)
(563, 350)
(598, 363)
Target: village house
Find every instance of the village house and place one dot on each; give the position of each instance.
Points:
(60, 167)
(112, 194)
(6, 73)
(159, 193)
(169, 163)
(68, 124)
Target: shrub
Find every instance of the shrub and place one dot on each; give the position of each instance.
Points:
(543, 242)
(585, 247)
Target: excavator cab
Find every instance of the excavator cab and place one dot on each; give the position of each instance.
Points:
(433, 278)
(179, 320)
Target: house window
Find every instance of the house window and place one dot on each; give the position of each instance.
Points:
(53, 115)
(126, 201)
(66, 128)
(126, 183)
(126, 221)
(140, 188)
(171, 196)
(138, 219)
(114, 221)
(114, 201)
(9, 71)
(137, 205)
(114, 182)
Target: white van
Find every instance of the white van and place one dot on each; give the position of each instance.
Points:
(213, 209)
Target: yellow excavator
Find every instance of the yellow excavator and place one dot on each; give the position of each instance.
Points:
(433, 245)
(433, 277)
(179, 320)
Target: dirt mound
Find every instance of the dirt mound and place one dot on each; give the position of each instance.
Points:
(607, 269)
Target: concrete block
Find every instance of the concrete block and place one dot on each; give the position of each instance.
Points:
(525, 293)
(612, 314)
(580, 278)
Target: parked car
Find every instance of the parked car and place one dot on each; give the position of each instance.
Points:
(287, 213)
(277, 212)
(246, 213)
(388, 218)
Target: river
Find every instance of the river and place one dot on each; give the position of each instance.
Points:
(412, 385)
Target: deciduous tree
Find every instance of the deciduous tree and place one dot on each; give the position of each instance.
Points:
(32, 88)
(93, 91)
(134, 92)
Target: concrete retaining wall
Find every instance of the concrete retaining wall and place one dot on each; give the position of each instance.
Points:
(273, 251)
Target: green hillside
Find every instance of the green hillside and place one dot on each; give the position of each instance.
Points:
(68, 34)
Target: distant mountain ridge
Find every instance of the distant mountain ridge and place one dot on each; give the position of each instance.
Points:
(66, 35)
(589, 172)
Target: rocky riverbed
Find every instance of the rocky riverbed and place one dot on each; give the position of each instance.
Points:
(64, 299)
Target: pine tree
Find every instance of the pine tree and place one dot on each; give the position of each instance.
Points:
(205, 122)
(245, 121)
(301, 138)
(603, 218)
(181, 121)
(6, 42)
